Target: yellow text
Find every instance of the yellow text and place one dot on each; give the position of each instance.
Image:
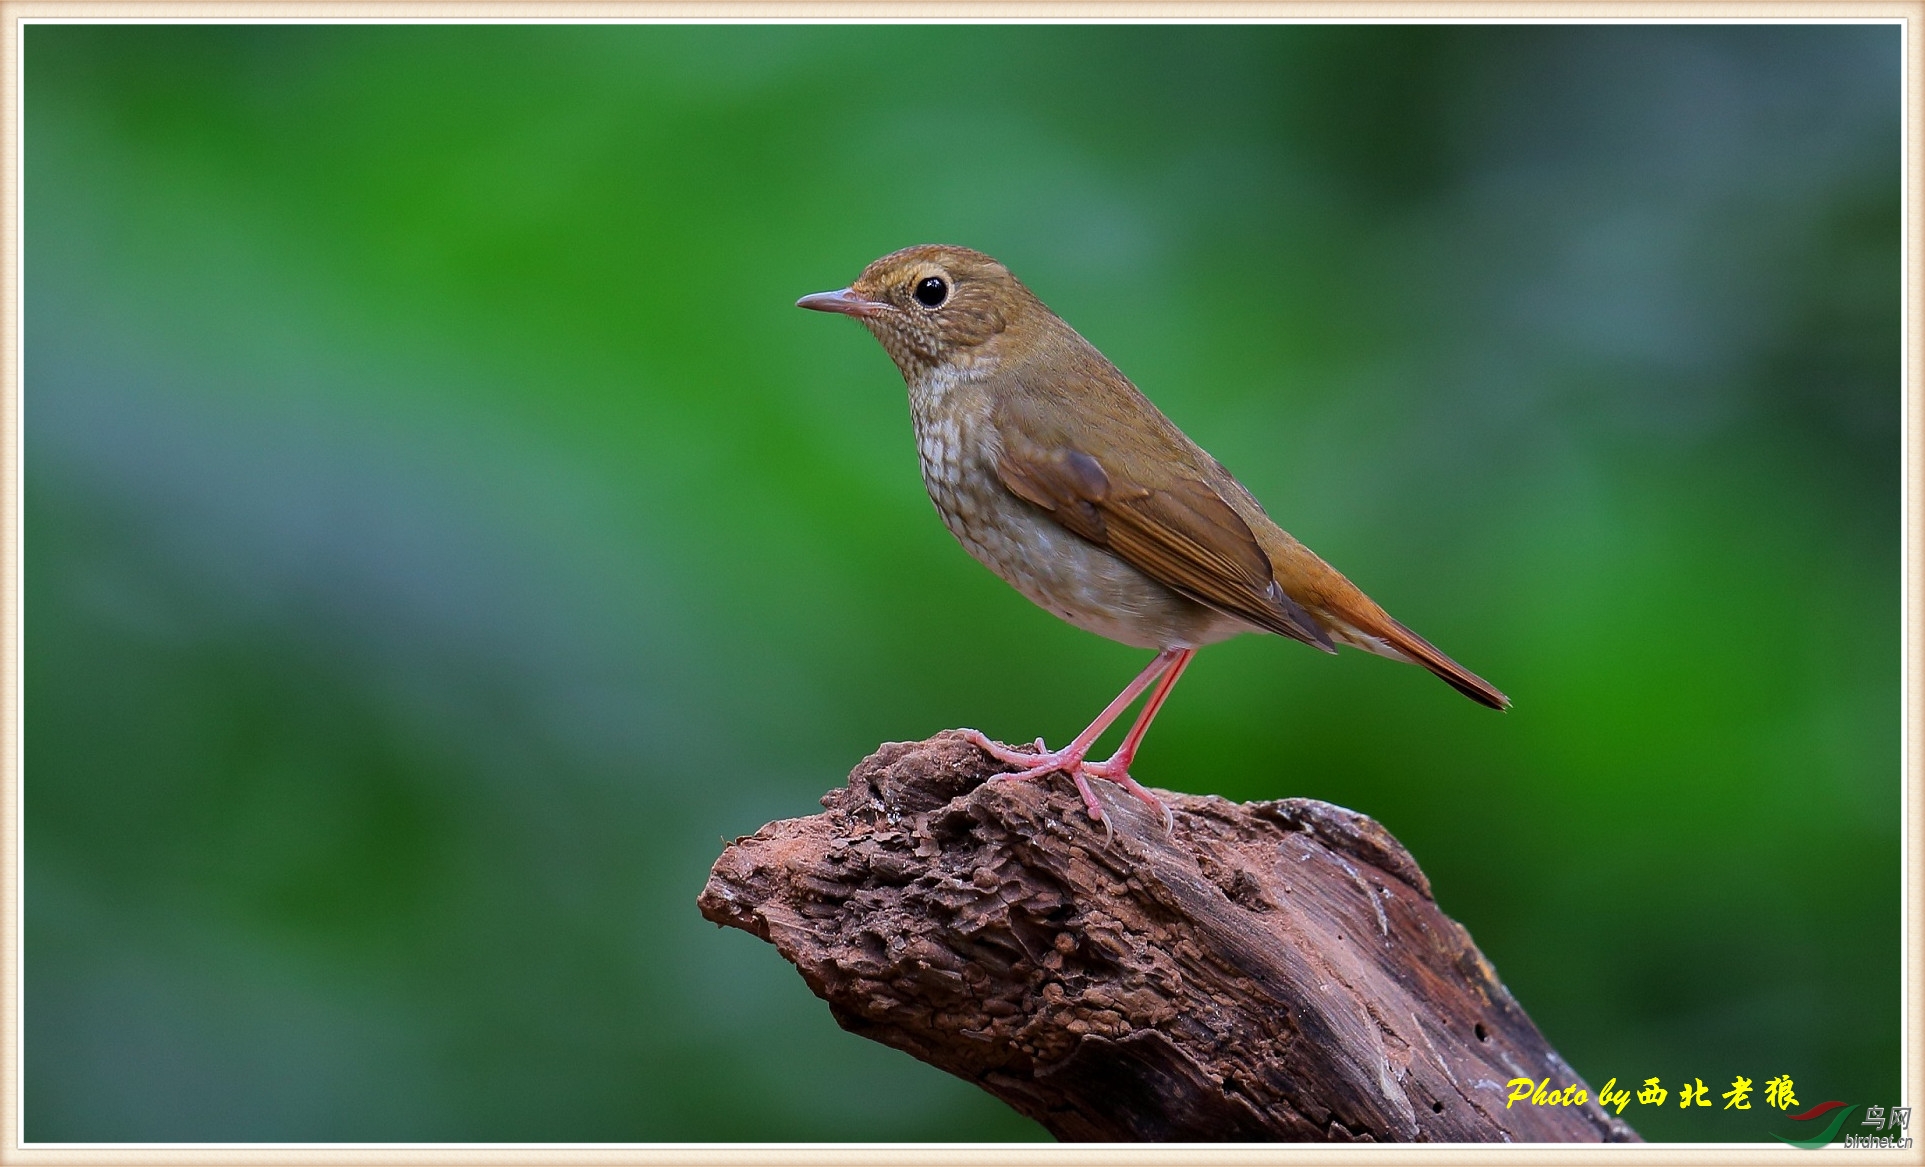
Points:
(1541, 1094)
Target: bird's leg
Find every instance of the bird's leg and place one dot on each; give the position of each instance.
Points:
(1070, 757)
(1117, 769)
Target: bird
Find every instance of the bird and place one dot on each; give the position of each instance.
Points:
(1055, 471)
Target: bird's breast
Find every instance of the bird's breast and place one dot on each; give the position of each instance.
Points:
(1075, 579)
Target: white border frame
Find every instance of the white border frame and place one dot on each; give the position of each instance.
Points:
(15, 14)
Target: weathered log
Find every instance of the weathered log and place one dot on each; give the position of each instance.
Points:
(1271, 970)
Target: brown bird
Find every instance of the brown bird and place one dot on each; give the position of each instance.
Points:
(1059, 475)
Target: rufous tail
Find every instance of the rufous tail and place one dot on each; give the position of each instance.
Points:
(1417, 650)
(1350, 617)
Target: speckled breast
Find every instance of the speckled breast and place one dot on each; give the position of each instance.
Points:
(1058, 570)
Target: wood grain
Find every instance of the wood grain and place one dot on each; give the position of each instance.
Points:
(1267, 971)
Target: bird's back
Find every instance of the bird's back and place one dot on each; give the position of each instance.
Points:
(1068, 395)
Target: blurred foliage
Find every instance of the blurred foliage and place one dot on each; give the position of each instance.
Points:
(441, 528)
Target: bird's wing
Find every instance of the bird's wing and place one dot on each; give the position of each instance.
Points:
(1180, 533)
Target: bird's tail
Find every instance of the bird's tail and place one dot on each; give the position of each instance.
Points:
(1362, 624)
(1350, 617)
(1419, 651)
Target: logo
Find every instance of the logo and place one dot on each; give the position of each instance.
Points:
(1896, 1118)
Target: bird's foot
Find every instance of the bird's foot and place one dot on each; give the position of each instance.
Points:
(1117, 770)
(1031, 756)
(1037, 760)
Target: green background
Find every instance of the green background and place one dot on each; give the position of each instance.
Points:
(441, 529)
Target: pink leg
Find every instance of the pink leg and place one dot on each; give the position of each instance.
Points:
(1117, 769)
(1126, 753)
(1071, 757)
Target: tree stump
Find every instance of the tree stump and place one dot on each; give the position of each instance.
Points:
(1271, 970)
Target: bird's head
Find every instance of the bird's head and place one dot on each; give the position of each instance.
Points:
(937, 307)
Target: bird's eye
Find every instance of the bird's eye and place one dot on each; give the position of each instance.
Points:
(931, 292)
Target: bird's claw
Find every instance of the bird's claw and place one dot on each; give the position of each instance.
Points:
(1024, 755)
(1112, 772)
(1094, 805)
(1036, 760)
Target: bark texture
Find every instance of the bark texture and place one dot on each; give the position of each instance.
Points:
(1271, 970)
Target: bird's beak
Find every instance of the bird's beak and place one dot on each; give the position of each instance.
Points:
(843, 300)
